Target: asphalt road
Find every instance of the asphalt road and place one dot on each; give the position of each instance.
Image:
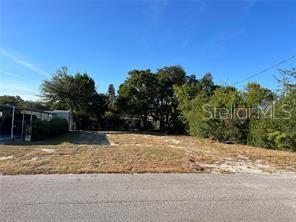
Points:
(148, 197)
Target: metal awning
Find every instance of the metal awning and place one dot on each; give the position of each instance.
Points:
(24, 111)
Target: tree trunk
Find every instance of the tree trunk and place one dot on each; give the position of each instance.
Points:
(144, 119)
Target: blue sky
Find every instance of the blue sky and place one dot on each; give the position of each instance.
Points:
(230, 39)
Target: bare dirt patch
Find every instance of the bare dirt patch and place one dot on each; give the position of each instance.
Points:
(126, 152)
(5, 157)
(48, 150)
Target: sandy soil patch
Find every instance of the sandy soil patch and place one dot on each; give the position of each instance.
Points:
(6, 157)
(47, 150)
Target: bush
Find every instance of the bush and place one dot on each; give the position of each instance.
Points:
(255, 116)
(269, 134)
(205, 117)
(44, 129)
(278, 132)
(58, 126)
(258, 133)
(113, 122)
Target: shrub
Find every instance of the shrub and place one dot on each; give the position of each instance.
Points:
(113, 122)
(204, 118)
(44, 129)
(255, 116)
(258, 133)
(58, 126)
(278, 132)
(271, 134)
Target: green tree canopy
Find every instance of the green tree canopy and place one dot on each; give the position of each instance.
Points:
(18, 101)
(76, 93)
(166, 102)
(111, 98)
(11, 100)
(73, 91)
(137, 94)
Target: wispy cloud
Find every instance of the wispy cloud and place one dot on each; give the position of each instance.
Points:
(17, 88)
(23, 63)
(216, 45)
(14, 89)
(250, 5)
(4, 73)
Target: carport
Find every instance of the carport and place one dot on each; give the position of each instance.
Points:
(14, 119)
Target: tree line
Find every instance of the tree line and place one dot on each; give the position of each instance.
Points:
(255, 115)
(181, 103)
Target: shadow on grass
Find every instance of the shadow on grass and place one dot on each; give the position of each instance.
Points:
(75, 137)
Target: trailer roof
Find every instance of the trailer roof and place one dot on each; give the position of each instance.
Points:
(26, 109)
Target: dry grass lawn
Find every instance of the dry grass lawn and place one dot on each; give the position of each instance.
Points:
(122, 152)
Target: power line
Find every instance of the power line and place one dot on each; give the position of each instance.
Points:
(264, 70)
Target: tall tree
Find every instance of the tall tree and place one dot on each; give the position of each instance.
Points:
(59, 89)
(279, 130)
(111, 98)
(193, 87)
(167, 103)
(258, 96)
(76, 92)
(288, 80)
(137, 94)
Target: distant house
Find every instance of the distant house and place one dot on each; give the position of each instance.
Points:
(135, 122)
(14, 119)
